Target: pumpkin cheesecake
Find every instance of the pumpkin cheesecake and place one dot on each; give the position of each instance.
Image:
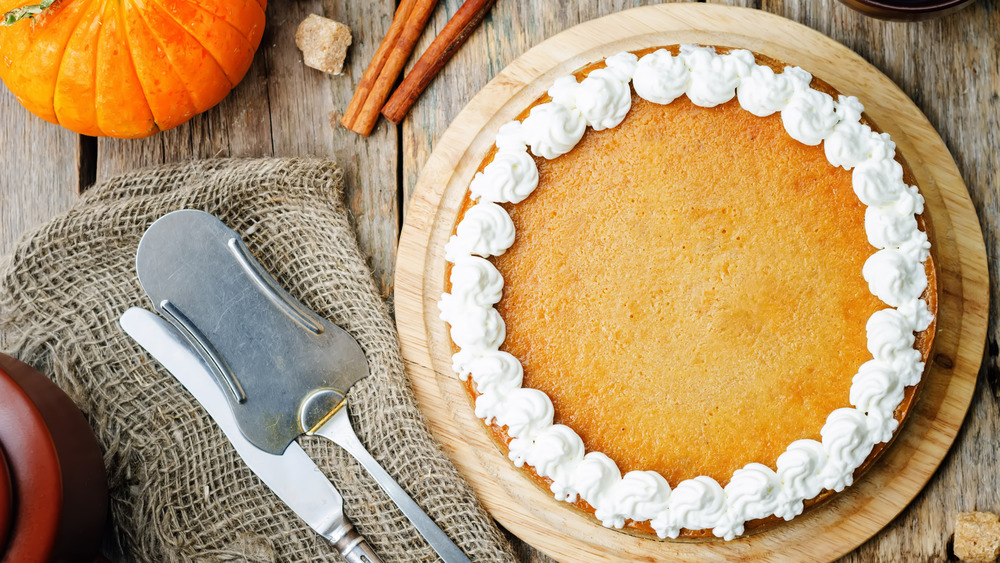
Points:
(691, 290)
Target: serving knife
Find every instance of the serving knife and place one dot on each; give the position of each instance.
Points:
(293, 475)
(284, 370)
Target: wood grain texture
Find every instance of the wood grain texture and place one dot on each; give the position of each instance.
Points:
(305, 109)
(851, 517)
(39, 164)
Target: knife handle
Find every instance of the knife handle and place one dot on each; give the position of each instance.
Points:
(355, 549)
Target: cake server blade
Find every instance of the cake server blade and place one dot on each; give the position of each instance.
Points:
(285, 370)
(266, 349)
(292, 475)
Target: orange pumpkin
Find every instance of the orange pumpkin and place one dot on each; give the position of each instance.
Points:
(128, 68)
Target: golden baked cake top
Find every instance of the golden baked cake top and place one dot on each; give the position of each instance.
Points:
(696, 290)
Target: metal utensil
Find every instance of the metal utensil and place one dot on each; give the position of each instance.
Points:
(292, 475)
(286, 370)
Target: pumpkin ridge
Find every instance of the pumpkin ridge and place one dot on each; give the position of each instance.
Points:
(52, 98)
(199, 6)
(154, 33)
(62, 55)
(233, 81)
(40, 77)
(127, 39)
(88, 12)
(132, 55)
(128, 58)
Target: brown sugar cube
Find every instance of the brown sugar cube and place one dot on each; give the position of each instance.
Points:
(977, 537)
(323, 43)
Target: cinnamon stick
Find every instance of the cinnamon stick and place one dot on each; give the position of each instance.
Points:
(454, 34)
(378, 61)
(412, 29)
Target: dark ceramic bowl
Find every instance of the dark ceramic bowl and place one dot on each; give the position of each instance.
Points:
(906, 10)
(57, 493)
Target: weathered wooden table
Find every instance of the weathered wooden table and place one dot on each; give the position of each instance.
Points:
(949, 66)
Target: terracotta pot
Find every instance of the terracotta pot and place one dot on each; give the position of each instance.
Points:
(55, 501)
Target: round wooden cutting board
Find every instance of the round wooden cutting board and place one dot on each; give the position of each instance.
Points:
(833, 528)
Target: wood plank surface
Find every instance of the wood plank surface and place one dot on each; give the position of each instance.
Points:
(38, 178)
(949, 66)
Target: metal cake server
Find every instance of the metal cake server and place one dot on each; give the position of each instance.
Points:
(292, 475)
(285, 370)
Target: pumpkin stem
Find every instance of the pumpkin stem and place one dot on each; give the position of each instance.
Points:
(30, 11)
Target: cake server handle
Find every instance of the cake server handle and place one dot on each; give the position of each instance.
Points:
(338, 429)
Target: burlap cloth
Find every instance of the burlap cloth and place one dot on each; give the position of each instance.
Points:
(179, 492)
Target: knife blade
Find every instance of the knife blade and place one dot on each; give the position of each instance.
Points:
(293, 475)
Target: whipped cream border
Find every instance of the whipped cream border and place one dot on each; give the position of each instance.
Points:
(895, 274)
